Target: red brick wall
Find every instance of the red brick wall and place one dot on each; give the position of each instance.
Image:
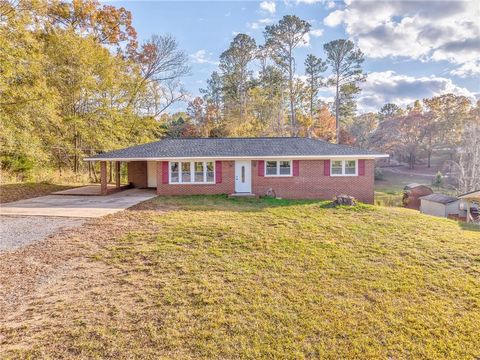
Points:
(310, 184)
(313, 184)
(137, 173)
(227, 186)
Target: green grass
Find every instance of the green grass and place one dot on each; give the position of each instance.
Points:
(389, 190)
(248, 278)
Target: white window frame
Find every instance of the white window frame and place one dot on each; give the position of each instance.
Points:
(192, 172)
(278, 168)
(343, 167)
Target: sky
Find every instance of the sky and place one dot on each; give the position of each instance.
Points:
(413, 49)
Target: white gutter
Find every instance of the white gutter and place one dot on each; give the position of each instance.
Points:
(297, 157)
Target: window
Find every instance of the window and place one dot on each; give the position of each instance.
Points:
(174, 172)
(199, 172)
(278, 168)
(350, 167)
(192, 172)
(210, 172)
(186, 174)
(271, 168)
(337, 167)
(343, 167)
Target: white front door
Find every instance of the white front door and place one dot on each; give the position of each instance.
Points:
(152, 174)
(243, 176)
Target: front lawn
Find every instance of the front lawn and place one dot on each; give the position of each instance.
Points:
(211, 277)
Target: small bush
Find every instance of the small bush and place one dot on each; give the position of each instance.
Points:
(379, 174)
(18, 165)
(438, 181)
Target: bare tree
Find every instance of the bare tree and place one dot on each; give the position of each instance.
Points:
(162, 64)
(467, 165)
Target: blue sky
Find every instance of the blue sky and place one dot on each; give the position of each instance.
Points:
(413, 49)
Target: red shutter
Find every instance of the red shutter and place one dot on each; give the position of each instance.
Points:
(361, 167)
(261, 168)
(326, 167)
(164, 172)
(296, 168)
(218, 172)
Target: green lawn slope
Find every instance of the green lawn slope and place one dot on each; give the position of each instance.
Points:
(210, 277)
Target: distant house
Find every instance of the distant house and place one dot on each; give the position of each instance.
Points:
(439, 205)
(289, 167)
(412, 194)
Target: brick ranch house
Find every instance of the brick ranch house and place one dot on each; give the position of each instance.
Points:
(295, 168)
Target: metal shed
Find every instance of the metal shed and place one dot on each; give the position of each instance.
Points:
(439, 205)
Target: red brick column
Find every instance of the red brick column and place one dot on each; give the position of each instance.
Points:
(103, 177)
(159, 176)
(117, 174)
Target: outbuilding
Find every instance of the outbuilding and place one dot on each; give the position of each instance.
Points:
(439, 205)
(412, 194)
(470, 203)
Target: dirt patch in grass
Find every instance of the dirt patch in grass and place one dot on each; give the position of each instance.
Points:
(19, 191)
(209, 277)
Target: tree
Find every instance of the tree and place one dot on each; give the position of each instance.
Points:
(213, 92)
(466, 165)
(446, 121)
(282, 39)
(388, 111)
(314, 66)
(403, 135)
(363, 127)
(162, 64)
(107, 24)
(345, 61)
(235, 73)
(324, 124)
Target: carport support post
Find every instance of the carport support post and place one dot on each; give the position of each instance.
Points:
(103, 177)
(117, 174)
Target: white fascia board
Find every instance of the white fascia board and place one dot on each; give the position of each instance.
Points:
(303, 157)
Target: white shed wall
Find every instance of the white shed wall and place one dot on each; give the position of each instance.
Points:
(432, 208)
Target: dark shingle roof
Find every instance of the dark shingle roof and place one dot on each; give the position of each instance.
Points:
(234, 147)
(439, 198)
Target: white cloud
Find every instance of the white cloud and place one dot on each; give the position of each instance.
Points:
(422, 30)
(467, 69)
(202, 57)
(388, 86)
(268, 6)
(316, 32)
(260, 23)
(310, 1)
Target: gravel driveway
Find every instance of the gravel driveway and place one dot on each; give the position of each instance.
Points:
(18, 231)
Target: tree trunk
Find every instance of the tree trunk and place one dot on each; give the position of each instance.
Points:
(293, 120)
(337, 117)
(429, 157)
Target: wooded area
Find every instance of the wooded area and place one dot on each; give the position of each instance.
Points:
(75, 82)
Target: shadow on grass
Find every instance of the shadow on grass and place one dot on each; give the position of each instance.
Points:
(469, 226)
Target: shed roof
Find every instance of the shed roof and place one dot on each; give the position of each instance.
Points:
(413, 186)
(439, 198)
(293, 147)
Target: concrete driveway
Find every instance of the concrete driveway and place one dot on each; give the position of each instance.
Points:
(77, 206)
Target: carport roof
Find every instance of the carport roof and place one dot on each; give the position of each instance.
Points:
(224, 148)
